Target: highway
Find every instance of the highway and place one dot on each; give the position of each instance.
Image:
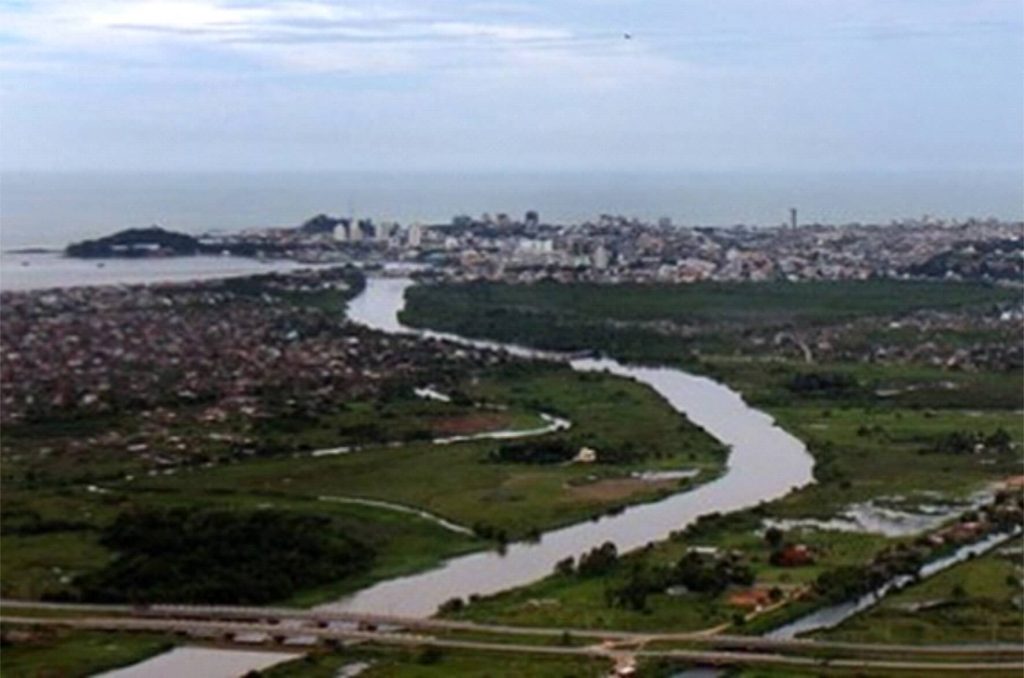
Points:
(279, 624)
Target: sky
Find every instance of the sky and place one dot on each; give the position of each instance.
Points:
(512, 85)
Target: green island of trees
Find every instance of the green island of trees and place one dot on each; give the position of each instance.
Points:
(184, 555)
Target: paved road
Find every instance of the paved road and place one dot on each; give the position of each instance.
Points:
(272, 617)
(713, 657)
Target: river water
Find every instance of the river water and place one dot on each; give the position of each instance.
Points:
(44, 270)
(202, 662)
(765, 463)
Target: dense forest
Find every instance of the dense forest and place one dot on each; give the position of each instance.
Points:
(221, 557)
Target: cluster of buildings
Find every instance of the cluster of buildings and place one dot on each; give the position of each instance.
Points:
(616, 249)
(209, 354)
(620, 249)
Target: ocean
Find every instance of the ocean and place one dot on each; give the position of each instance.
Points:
(49, 210)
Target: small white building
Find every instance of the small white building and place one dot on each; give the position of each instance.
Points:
(586, 455)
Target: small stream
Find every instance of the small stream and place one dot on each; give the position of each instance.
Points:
(830, 617)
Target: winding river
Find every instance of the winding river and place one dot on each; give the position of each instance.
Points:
(765, 463)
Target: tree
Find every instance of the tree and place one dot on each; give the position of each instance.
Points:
(632, 594)
(188, 555)
(430, 655)
(451, 605)
(774, 536)
(565, 567)
(598, 560)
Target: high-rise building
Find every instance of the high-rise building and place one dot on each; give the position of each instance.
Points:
(366, 228)
(341, 230)
(414, 236)
(792, 217)
(385, 230)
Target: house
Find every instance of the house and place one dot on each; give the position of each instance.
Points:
(586, 455)
(793, 555)
(754, 599)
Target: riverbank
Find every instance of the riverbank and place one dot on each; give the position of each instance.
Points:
(877, 430)
(977, 600)
(22, 271)
(764, 463)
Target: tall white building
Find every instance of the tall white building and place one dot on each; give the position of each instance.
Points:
(414, 237)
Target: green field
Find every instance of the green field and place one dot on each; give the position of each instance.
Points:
(37, 565)
(426, 663)
(977, 601)
(70, 654)
(875, 429)
(708, 302)
(459, 482)
(681, 324)
(399, 417)
(572, 601)
(52, 531)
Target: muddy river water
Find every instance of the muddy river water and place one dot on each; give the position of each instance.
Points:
(765, 463)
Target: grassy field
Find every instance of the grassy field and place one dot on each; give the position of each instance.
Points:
(868, 446)
(874, 437)
(425, 663)
(35, 565)
(51, 533)
(69, 654)
(398, 418)
(573, 601)
(976, 601)
(458, 481)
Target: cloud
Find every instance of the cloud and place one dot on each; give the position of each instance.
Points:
(308, 35)
(226, 83)
(407, 36)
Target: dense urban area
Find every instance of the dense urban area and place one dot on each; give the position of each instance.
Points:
(620, 249)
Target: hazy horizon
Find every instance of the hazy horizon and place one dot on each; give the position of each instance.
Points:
(50, 209)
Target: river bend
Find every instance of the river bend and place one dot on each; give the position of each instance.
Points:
(765, 463)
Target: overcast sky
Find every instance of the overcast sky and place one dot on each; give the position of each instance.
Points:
(512, 85)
